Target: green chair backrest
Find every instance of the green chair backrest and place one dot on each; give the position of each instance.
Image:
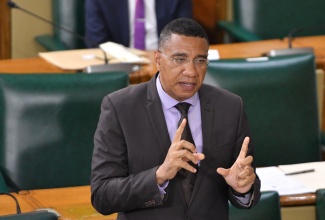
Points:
(3, 185)
(281, 104)
(69, 28)
(268, 208)
(47, 126)
(270, 19)
(320, 204)
(70, 15)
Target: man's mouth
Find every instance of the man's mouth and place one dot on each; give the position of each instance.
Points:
(187, 85)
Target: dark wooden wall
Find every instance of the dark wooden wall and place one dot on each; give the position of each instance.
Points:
(207, 13)
(5, 30)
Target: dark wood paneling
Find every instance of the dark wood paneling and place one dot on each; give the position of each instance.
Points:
(208, 13)
(5, 30)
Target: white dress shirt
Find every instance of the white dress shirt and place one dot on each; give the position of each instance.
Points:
(151, 40)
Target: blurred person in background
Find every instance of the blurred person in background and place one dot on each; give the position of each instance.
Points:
(123, 21)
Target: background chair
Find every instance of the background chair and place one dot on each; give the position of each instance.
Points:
(268, 208)
(320, 204)
(269, 19)
(3, 185)
(71, 16)
(281, 104)
(47, 126)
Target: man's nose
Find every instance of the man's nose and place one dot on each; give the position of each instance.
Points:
(190, 69)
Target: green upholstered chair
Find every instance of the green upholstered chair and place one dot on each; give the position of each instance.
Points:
(47, 126)
(268, 208)
(320, 204)
(3, 185)
(270, 19)
(280, 100)
(71, 16)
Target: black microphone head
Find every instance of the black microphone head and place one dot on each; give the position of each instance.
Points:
(12, 4)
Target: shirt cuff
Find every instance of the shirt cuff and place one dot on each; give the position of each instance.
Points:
(244, 199)
(162, 188)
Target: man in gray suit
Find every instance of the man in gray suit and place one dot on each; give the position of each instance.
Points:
(139, 156)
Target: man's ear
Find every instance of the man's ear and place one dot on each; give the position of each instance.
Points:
(157, 59)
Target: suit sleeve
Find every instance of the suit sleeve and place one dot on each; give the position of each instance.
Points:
(113, 188)
(96, 26)
(185, 9)
(243, 130)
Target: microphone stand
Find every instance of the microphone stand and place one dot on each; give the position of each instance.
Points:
(14, 5)
(294, 31)
(290, 50)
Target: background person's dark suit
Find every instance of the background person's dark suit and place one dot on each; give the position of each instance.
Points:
(108, 20)
(132, 140)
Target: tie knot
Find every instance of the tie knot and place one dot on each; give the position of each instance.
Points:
(183, 107)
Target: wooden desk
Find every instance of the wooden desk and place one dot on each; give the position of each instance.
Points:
(39, 65)
(248, 49)
(259, 48)
(70, 203)
(8, 205)
(226, 51)
(29, 65)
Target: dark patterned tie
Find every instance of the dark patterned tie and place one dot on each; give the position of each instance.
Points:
(188, 178)
(139, 25)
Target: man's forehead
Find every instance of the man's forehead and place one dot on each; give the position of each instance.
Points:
(182, 40)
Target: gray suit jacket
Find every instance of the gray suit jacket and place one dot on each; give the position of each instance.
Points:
(132, 140)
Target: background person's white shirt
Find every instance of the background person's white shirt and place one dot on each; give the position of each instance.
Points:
(151, 40)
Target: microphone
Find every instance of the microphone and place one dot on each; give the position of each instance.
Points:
(290, 50)
(294, 31)
(12, 4)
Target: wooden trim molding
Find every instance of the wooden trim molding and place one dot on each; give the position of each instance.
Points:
(5, 30)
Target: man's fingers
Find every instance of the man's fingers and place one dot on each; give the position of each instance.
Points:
(244, 148)
(179, 131)
(199, 156)
(247, 161)
(188, 167)
(246, 172)
(184, 151)
(248, 180)
(223, 172)
(188, 156)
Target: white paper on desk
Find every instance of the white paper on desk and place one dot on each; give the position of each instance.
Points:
(73, 59)
(273, 179)
(122, 54)
(314, 180)
(213, 54)
(81, 58)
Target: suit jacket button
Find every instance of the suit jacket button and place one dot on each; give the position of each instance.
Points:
(150, 203)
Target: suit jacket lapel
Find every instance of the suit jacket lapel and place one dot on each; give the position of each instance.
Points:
(207, 125)
(156, 116)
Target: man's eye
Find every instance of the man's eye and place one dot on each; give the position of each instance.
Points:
(179, 60)
(201, 61)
